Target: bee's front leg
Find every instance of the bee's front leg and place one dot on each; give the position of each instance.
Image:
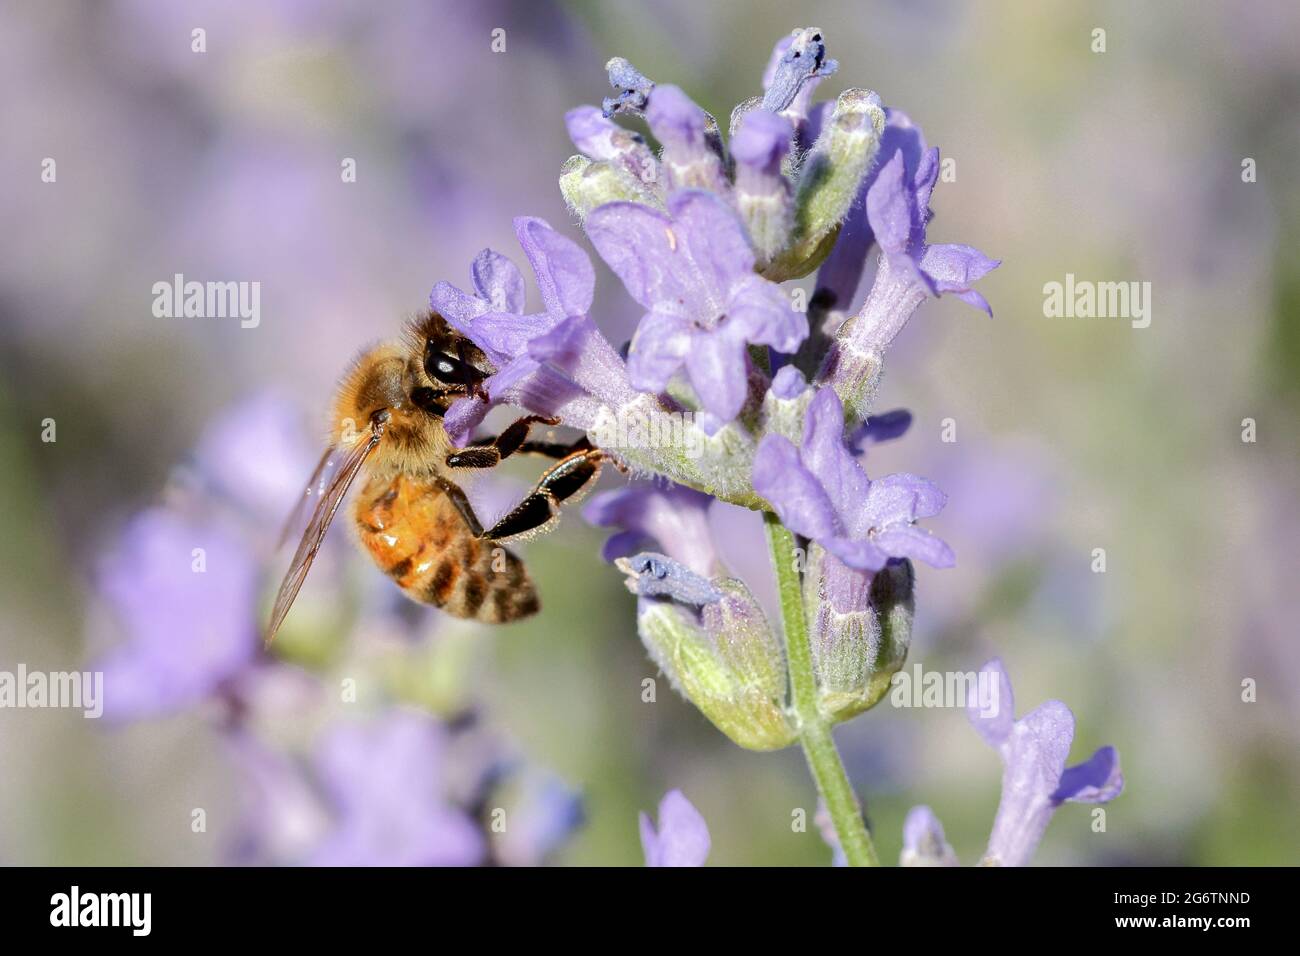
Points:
(490, 452)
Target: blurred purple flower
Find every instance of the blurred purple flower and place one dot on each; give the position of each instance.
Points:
(670, 517)
(822, 492)
(924, 843)
(554, 362)
(548, 814)
(1035, 780)
(184, 593)
(282, 816)
(257, 455)
(682, 838)
(692, 270)
(384, 782)
(826, 827)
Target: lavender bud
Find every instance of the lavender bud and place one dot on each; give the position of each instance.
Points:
(601, 139)
(586, 185)
(633, 88)
(692, 155)
(764, 197)
(803, 60)
(829, 181)
(723, 658)
(861, 627)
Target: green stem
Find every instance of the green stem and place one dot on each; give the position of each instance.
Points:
(814, 731)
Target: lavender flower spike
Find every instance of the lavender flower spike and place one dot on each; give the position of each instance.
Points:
(1035, 780)
(821, 492)
(682, 837)
(692, 270)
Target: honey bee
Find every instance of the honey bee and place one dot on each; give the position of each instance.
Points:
(410, 515)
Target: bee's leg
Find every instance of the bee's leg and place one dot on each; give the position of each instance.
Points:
(458, 498)
(566, 478)
(553, 449)
(490, 452)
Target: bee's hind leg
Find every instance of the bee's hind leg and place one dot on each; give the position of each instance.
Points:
(568, 477)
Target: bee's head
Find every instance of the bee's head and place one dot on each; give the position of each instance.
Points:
(449, 366)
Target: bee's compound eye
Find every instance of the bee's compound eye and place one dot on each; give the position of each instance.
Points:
(444, 368)
(449, 369)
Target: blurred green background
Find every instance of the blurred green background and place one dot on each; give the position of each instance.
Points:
(1072, 434)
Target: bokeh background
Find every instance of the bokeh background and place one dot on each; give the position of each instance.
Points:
(1072, 434)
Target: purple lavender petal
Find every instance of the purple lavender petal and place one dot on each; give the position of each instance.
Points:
(826, 456)
(788, 383)
(504, 336)
(676, 120)
(889, 206)
(1034, 758)
(658, 350)
(719, 371)
(841, 273)
(880, 428)
(767, 317)
(498, 281)
(762, 142)
(902, 498)
(793, 491)
(592, 132)
(862, 554)
(714, 241)
(955, 268)
(564, 274)
(457, 307)
(915, 543)
(1097, 780)
(924, 842)
(996, 727)
(465, 415)
(639, 245)
(674, 517)
(682, 838)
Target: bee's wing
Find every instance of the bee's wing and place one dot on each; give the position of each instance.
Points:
(327, 502)
(325, 470)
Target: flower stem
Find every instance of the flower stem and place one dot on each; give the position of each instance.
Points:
(814, 731)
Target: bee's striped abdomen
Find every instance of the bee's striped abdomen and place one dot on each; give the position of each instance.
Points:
(417, 537)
